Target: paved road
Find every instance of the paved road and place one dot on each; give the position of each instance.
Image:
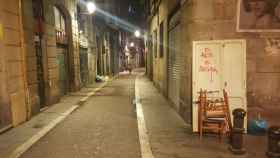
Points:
(105, 127)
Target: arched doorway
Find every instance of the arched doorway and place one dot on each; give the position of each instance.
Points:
(63, 49)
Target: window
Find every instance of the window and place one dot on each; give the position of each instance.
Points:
(161, 34)
(60, 27)
(81, 20)
(59, 20)
(155, 43)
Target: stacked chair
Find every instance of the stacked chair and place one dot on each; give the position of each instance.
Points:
(214, 113)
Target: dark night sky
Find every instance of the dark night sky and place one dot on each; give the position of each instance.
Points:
(131, 11)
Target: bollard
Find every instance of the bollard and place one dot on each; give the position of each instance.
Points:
(238, 121)
(237, 141)
(273, 142)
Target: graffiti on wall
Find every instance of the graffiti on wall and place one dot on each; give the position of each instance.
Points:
(268, 60)
(207, 64)
(272, 47)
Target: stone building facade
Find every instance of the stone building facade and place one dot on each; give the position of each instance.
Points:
(14, 108)
(205, 21)
(40, 52)
(108, 34)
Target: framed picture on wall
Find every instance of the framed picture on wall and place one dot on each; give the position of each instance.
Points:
(258, 16)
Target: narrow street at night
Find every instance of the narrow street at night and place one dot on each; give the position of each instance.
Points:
(107, 126)
(139, 78)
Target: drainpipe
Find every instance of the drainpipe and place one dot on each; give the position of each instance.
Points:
(23, 58)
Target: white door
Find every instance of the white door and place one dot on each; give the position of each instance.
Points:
(234, 74)
(219, 65)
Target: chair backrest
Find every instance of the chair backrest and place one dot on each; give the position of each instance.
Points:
(210, 107)
(216, 108)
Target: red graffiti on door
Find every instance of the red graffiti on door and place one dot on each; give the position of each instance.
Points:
(207, 64)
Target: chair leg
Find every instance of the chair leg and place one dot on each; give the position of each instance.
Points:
(200, 133)
(220, 132)
(223, 130)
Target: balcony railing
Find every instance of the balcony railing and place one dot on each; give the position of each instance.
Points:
(61, 37)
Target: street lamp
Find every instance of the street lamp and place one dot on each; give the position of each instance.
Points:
(126, 48)
(132, 44)
(137, 33)
(91, 7)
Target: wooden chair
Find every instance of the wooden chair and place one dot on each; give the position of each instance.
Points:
(213, 114)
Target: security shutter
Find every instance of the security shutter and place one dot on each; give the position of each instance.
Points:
(174, 60)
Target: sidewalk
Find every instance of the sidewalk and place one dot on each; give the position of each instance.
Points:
(17, 140)
(170, 137)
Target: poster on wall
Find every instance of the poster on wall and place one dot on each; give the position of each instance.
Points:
(269, 58)
(258, 16)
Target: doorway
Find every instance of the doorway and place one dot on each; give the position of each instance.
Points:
(219, 65)
(84, 72)
(40, 73)
(63, 71)
(150, 54)
(38, 14)
(62, 49)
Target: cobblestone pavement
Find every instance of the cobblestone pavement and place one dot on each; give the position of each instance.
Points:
(105, 127)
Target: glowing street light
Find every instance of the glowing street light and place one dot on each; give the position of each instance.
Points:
(126, 48)
(91, 7)
(137, 33)
(132, 44)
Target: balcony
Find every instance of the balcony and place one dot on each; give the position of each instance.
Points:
(61, 37)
